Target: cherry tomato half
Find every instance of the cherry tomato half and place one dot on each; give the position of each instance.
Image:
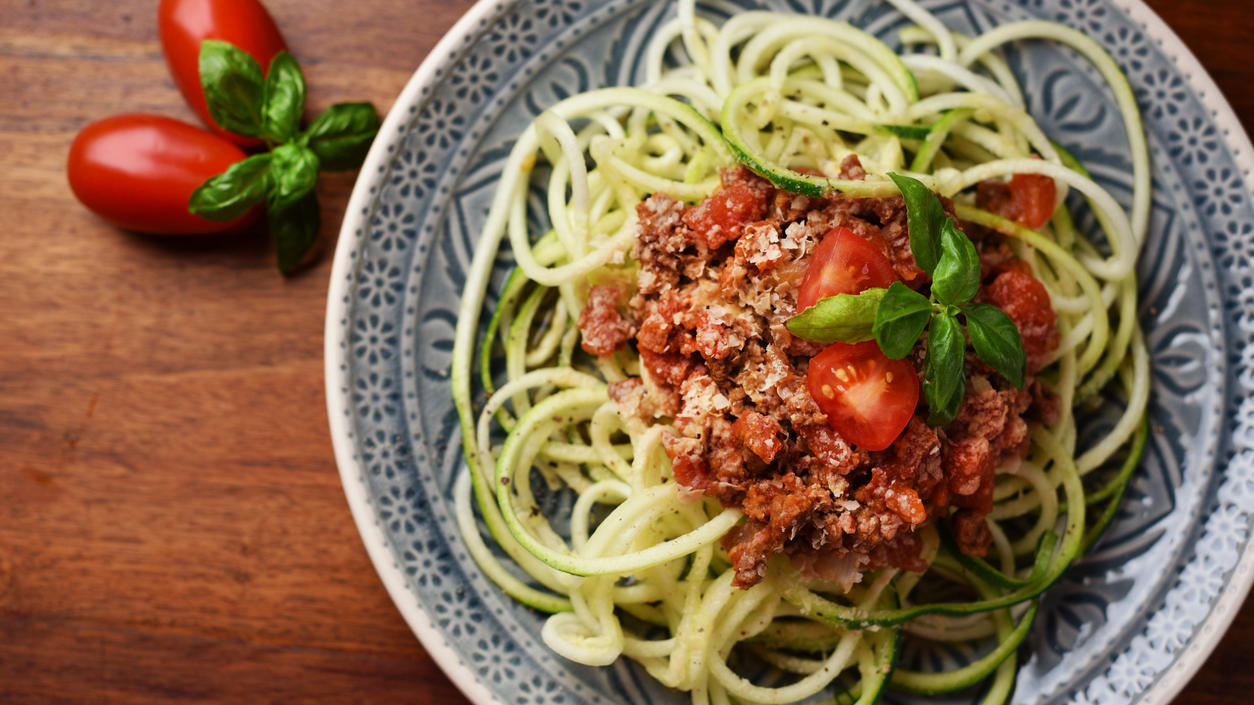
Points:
(843, 263)
(184, 24)
(138, 172)
(1034, 198)
(868, 397)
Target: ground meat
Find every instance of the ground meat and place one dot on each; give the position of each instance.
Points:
(851, 168)
(716, 285)
(604, 328)
(994, 196)
(722, 217)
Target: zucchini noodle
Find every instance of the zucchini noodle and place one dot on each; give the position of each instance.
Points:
(631, 565)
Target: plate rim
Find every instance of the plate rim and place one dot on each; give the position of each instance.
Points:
(376, 541)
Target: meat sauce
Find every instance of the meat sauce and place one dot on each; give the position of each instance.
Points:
(716, 285)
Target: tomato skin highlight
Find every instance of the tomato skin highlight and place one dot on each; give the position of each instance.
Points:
(868, 397)
(843, 263)
(138, 171)
(1035, 197)
(184, 24)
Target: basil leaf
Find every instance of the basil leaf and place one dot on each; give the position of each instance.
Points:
(944, 373)
(342, 134)
(230, 194)
(957, 275)
(900, 319)
(294, 230)
(924, 215)
(233, 87)
(997, 341)
(294, 172)
(843, 318)
(284, 100)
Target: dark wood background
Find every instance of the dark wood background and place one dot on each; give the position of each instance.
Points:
(171, 521)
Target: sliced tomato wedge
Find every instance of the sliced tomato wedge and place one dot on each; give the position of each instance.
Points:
(1034, 197)
(843, 263)
(868, 398)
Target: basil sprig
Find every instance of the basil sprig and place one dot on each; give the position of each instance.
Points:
(896, 317)
(270, 107)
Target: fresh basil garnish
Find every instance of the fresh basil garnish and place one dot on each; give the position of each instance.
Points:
(997, 341)
(294, 230)
(295, 171)
(230, 194)
(284, 99)
(845, 317)
(341, 136)
(944, 375)
(924, 217)
(233, 85)
(957, 274)
(900, 319)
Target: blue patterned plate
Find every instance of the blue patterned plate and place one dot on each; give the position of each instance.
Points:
(1129, 624)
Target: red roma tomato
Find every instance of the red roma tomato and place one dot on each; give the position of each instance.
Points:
(1034, 198)
(184, 24)
(138, 171)
(843, 263)
(868, 398)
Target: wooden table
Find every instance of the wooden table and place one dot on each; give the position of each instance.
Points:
(171, 522)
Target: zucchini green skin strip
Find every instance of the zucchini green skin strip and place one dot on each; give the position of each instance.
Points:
(1003, 683)
(1069, 549)
(509, 296)
(479, 551)
(877, 675)
(974, 672)
(1118, 486)
(547, 248)
(463, 353)
(982, 570)
(1120, 480)
(907, 132)
(877, 682)
(809, 636)
(787, 179)
(936, 138)
(516, 341)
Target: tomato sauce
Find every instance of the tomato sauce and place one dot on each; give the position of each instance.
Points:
(716, 285)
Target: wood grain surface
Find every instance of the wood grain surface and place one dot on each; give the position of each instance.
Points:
(171, 521)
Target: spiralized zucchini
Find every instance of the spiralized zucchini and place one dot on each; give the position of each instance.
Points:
(636, 570)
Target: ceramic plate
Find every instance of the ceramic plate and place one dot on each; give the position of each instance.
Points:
(1129, 624)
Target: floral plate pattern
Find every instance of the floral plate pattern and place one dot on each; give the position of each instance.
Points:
(1129, 624)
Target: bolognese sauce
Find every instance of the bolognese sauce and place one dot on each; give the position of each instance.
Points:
(717, 282)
